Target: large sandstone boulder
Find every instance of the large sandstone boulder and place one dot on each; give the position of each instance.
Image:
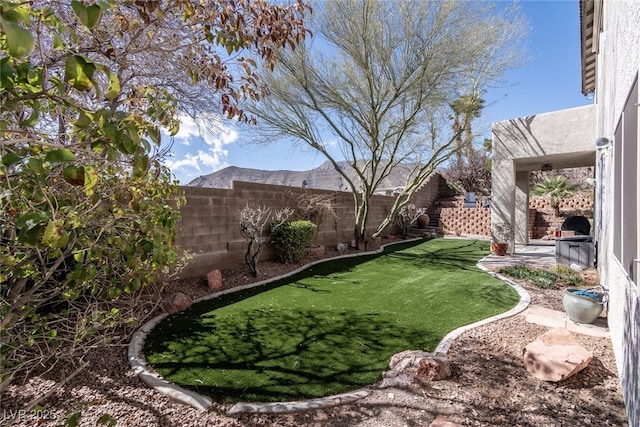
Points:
(555, 356)
(214, 280)
(176, 303)
(413, 366)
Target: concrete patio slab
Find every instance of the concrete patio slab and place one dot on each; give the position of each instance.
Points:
(557, 319)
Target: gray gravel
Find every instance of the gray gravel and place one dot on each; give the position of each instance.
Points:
(489, 387)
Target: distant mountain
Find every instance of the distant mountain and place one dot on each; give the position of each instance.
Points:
(323, 177)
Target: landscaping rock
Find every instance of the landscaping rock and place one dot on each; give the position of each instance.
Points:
(214, 280)
(176, 303)
(414, 366)
(441, 421)
(555, 356)
(433, 368)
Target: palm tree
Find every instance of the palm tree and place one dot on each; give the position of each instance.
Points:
(466, 107)
(557, 188)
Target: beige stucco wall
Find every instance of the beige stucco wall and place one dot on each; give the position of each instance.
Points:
(618, 65)
(533, 140)
(561, 139)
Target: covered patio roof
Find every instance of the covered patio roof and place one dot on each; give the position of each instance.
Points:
(557, 140)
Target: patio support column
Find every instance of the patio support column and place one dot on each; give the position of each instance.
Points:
(561, 139)
(521, 217)
(502, 196)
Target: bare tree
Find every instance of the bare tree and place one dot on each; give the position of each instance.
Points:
(252, 224)
(473, 174)
(377, 82)
(406, 216)
(315, 207)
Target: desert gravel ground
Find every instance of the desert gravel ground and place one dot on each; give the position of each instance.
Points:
(489, 386)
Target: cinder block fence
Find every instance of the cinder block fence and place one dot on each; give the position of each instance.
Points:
(209, 227)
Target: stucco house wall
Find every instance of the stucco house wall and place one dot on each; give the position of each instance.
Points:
(610, 34)
(618, 66)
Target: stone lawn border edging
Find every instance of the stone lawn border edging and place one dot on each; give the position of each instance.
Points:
(140, 367)
(525, 299)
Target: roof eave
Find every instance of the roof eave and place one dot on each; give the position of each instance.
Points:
(589, 31)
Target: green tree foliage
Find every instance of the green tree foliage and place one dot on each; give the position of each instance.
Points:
(87, 210)
(556, 188)
(378, 87)
(291, 239)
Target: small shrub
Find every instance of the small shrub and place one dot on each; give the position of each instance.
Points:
(567, 275)
(405, 218)
(291, 239)
(316, 208)
(558, 275)
(540, 278)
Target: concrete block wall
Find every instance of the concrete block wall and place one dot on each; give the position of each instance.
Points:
(543, 221)
(455, 218)
(435, 187)
(533, 232)
(209, 226)
(579, 202)
(461, 220)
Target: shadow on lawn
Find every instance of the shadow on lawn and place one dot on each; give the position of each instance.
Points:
(458, 254)
(272, 355)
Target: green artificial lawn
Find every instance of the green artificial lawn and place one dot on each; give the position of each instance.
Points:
(330, 329)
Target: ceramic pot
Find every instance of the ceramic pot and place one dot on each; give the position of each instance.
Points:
(580, 308)
(423, 221)
(499, 248)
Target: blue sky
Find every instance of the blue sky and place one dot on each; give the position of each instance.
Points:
(549, 81)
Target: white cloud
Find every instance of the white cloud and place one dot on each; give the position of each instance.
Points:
(330, 143)
(209, 127)
(212, 160)
(202, 158)
(186, 162)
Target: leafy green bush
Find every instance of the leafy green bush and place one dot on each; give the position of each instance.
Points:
(545, 279)
(87, 210)
(291, 239)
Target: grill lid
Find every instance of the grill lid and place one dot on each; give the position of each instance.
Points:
(578, 223)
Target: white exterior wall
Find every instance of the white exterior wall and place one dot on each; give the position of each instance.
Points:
(618, 65)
